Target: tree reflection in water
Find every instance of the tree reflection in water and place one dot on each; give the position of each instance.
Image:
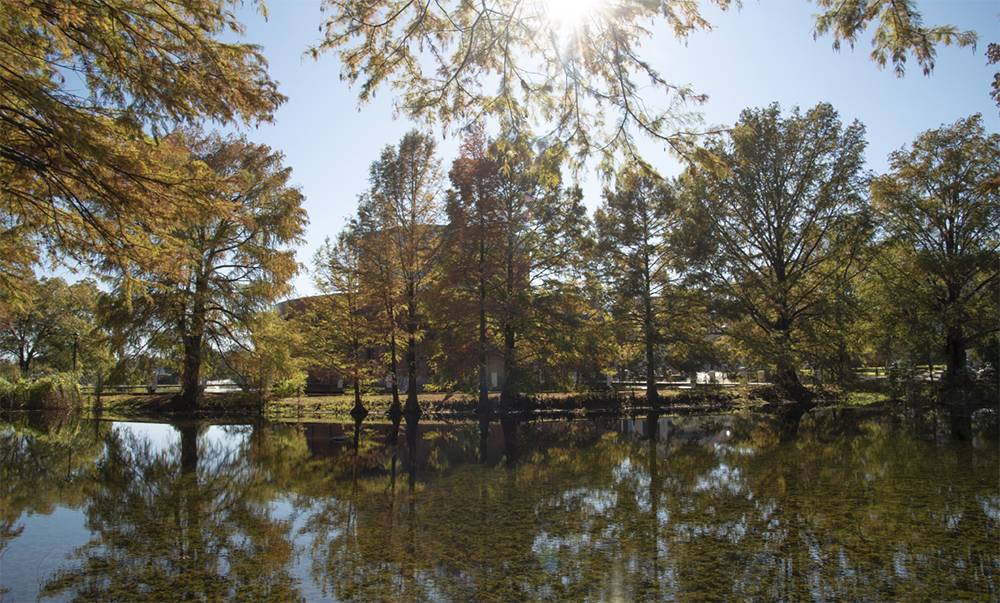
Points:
(714, 508)
(856, 505)
(46, 458)
(182, 523)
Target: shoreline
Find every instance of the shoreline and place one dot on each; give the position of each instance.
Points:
(462, 407)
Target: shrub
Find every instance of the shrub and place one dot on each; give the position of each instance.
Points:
(51, 391)
(57, 389)
(7, 393)
(291, 386)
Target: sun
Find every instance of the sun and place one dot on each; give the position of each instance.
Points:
(567, 16)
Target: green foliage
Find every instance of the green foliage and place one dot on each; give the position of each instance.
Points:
(271, 362)
(786, 224)
(290, 386)
(902, 378)
(58, 389)
(55, 390)
(7, 390)
(51, 322)
(938, 267)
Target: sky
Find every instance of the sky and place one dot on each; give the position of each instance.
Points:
(760, 54)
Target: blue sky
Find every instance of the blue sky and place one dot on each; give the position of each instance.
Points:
(752, 57)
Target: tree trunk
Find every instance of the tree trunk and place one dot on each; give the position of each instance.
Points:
(786, 378)
(359, 412)
(24, 362)
(394, 409)
(191, 376)
(955, 353)
(192, 337)
(648, 331)
(509, 360)
(652, 395)
(507, 392)
(412, 407)
(484, 394)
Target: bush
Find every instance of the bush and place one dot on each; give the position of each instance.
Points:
(7, 393)
(58, 389)
(289, 387)
(51, 391)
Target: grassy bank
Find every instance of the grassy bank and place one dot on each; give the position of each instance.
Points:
(451, 404)
(699, 399)
(169, 404)
(456, 404)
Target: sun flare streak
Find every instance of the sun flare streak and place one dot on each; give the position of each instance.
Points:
(566, 16)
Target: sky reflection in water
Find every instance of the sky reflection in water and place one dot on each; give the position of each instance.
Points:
(843, 505)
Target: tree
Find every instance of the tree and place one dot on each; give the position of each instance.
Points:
(940, 209)
(84, 86)
(786, 211)
(378, 277)
(343, 317)
(55, 325)
(891, 330)
(232, 262)
(573, 69)
(514, 234)
(637, 258)
(470, 242)
(401, 214)
(541, 228)
(271, 359)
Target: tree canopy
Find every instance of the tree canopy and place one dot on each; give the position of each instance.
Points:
(787, 220)
(222, 265)
(579, 78)
(53, 325)
(86, 89)
(939, 206)
(636, 226)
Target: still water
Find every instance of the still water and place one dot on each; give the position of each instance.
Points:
(841, 505)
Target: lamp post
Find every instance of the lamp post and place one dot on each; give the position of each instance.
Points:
(76, 349)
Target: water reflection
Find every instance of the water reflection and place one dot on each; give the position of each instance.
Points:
(170, 525)
(857, 505)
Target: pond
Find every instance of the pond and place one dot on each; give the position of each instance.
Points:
(845, 504)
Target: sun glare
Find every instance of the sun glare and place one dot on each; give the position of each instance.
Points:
(568, 15)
